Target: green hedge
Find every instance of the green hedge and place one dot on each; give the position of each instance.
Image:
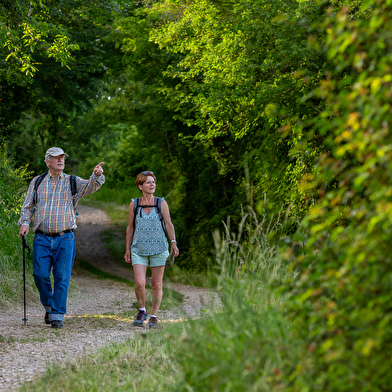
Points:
(12, 189)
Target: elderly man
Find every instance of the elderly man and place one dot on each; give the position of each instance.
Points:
(52, 202)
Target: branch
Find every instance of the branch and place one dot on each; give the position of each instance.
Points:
(29, 14)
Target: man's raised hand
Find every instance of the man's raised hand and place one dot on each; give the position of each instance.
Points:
(98, 169)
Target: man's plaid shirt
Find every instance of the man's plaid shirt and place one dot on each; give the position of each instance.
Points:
(54, 210)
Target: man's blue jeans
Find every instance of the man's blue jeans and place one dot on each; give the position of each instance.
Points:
(57, 253)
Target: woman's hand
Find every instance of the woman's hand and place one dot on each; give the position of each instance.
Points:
(127, 256)
(174, 249)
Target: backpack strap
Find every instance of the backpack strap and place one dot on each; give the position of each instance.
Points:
(157, 205)
(158, 202)
(37, 184)
(136, 205)
(72, 183)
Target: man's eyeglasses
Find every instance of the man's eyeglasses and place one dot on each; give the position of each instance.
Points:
(146, 172)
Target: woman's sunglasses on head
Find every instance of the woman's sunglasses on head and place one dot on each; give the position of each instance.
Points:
(146, 172)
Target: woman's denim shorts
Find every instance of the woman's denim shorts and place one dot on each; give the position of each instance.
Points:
(158, 260)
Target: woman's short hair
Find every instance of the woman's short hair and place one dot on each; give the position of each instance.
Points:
(142, 177)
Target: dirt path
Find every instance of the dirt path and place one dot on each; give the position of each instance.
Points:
(97, 312)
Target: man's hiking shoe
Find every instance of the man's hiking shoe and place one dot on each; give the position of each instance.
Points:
(141, 316)
(153, 322)
(47, 321)
(57, 324)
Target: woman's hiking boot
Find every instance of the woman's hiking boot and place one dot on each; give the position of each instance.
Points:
(153, 322)
(141, 316)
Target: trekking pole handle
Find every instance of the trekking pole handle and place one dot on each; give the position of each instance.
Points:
(25, 246)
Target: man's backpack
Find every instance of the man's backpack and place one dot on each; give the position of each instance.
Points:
(72, 183)
(137, 206)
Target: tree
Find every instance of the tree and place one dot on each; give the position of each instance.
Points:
(27, 30)
(245, 68)
(43, 86)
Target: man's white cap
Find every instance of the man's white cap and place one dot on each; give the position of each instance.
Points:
(54, 152)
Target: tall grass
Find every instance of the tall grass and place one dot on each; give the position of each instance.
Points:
(245, 344)
(249, 259)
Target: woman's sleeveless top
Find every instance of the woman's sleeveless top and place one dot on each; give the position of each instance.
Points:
(148, 237)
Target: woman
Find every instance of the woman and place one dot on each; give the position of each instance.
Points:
(146, 243)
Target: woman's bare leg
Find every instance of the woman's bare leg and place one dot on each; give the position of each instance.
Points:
(156, 284)
(139, 273)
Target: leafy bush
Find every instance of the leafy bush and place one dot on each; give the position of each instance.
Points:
(340, 303)
(12, 184)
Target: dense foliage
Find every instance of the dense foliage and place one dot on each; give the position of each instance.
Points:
(340, 303)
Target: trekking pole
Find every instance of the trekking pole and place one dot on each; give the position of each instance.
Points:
(25, 246)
